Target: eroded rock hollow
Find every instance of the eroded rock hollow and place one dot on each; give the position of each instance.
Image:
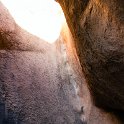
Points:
(77, 80)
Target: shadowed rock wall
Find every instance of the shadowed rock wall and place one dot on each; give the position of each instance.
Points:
(87, 111)
(98, 29)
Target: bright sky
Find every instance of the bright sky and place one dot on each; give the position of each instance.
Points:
(42, 18)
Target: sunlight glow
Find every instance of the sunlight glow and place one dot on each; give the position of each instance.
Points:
(42, 18)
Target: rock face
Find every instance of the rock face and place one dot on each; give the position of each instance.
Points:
(35, 85)
(42, 83)
(90, 114)
(98, 29)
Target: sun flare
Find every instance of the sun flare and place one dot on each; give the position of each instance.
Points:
(42, 18)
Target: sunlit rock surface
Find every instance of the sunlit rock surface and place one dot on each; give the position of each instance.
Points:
(35, 85)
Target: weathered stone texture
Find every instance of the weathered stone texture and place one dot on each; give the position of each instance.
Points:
(35, 86)
(98, 29)
(45, 84)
